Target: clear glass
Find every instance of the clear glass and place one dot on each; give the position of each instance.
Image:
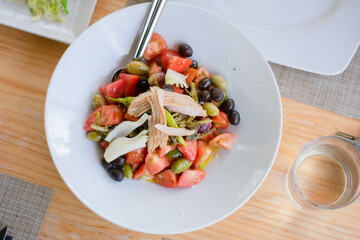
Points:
(326, 173)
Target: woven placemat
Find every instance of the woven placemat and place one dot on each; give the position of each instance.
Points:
(339, 94)
(23, 206)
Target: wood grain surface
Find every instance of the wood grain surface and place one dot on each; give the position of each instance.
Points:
(26, 65)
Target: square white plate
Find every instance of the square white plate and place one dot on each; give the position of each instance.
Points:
(17, 15)
(319, 36)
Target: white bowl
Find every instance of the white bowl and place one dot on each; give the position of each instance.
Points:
(233, 176)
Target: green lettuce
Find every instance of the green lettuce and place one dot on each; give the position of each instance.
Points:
(51, 9)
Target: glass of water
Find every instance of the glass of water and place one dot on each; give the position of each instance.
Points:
(326, 173)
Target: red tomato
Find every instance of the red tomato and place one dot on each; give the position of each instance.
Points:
(113, 90)
(191, 177)
(130, 117)
(190, 150)
(136, 157)
(225, 140)
(155, 164)
(167, 55)
(109, 115)
(156, 46)
(221, 121)
(204, 152)
(202, 73)
(130, 82)
(178, 90)
(104, 144)
(142, 173)
(163, 151)
(179, 64)
(154, 66)
(167, 179)
(190, 74)
(210, 136)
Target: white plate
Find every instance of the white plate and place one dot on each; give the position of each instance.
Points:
(16, 14)
(233, 176)
(319, 36)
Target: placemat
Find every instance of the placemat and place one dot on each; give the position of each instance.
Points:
(23, 206)
(339, 94)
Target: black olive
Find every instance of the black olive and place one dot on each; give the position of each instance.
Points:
(194, 64)
(234, 117)
(143, 85)
(185, 50)
(204, 84)
(168, 87)
(116, 74)
(228, 105)
(119, 162)
(106, 165)
(217, 94)
(204, 96)
(117, 174)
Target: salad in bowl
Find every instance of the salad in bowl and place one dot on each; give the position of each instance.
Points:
(161, 118)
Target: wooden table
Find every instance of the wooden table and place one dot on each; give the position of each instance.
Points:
(26, 65)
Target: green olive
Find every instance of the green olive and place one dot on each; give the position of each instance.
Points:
(128, 172)
(98, 101)
(137, 68)
(219, 81)
(174, 154)
(94, 136)
(211, 109)
(180, 165)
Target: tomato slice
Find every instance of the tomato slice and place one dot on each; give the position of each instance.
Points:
(156, 46)
(130, 117)
(155, 164)
(179, 64)
(210, 136)
(178, 90)
(167, 179)
(167, 55)
(142, 173)
(202, 73)
(190, 74)
(163, 151)
(225, 140)
(104, 144)
(136, 157)
(191, 177)
(154, 66)
(204, 154)
(190, 150)
(130, 81)
(109, 115)
(113, 90)
(221, 121)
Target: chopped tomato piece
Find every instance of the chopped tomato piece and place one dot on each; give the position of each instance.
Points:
(155, 164)
(163, 151)
(225, 140)
(130, 117)
(109, 115)
(167, 55)
(204, 154)
(221, 121)
(156, 46)
(191, 177)
(136, 157)
(142, 173)
(130, 82)
(202, 73)
(190, 150)
(154, 66)
(104, 144)
(190, 74)
(179, 64)
(113, 90)
(167, 179)
(210, 136)
(178, 90)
